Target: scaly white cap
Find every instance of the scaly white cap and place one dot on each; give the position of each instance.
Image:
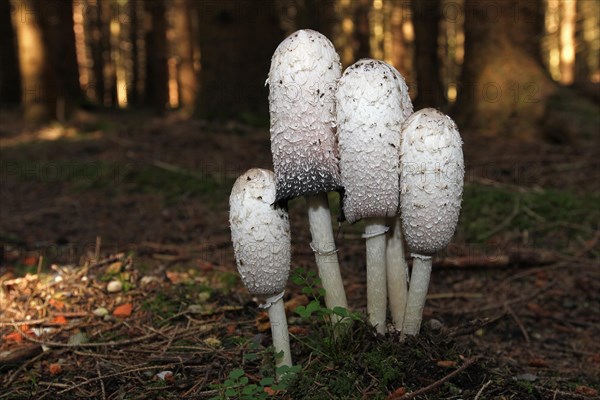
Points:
(302, 82)
(260, 233)
(372, 103)
(432, 175)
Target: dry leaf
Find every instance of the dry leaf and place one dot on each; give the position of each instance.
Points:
(54, 369)
(586, 391)
(59, 320)
(114, 268)
(298, 330)
(13, 337)
(123, 311)
(57, 304)
(401, 391)
(231, 329)
(538, 362)
(446, 363)
(30, 261)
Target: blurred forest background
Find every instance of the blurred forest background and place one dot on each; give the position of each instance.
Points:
(124, 123)
(497, 65)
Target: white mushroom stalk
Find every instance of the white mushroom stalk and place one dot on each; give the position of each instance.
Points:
(432, 184)
(371, 101)
(397, 273)
(302, 81)
(261, 237)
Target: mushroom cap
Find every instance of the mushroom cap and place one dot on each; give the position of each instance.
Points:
(432, 174)
(372, 102)
(260, 233)
(302, 81)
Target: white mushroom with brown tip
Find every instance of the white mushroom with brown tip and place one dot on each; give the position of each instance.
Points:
(302, 81)
(432, 184)
(261, 238)
(371, 101)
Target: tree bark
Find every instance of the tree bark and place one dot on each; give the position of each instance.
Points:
(426, 19)
(59, 38)
(132, 87)
(504, 85)
(10, 78)
(582, 50)
(157, 75)
(237, 40)
(38, 83)
(97, 50)
(187, 75)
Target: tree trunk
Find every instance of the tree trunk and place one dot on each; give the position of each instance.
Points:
(110, 69)
(157, 75)
(97, 49)
(187, 76)
(10, 79)
(362, 31)
(504, 85)
(38, 94)
(237, 40)
(582, 53)
(426, 19)
(59, 38)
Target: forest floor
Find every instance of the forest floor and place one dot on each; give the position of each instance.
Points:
(513, 310)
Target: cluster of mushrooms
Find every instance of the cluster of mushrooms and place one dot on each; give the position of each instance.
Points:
(401, 172)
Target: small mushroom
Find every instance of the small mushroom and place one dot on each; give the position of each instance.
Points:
(261, 237)
(302, 82)
(372, 103)
(432, 174)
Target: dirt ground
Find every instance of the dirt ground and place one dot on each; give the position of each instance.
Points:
(143, 201)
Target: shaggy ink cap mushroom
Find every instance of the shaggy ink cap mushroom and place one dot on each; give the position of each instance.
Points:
(302, 81)
(372, 103)
(260, 233)
(431, 180)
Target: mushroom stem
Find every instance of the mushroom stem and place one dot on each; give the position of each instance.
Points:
(417, 293)
(375, 230)
(279, 331)
(323, 244)
(397, 274)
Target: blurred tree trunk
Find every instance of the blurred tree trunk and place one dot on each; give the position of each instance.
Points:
(582, 51)
(426, 19)
(10, 78)
(504, 85)
(132, 88)
(157, 75)
(38, 94)
(187, 76)
(237, 40)
(362, 30)
(59, 38)
(97, 49)
(110, 69)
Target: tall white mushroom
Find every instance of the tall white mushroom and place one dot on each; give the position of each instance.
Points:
(260, 233)
(372, 100)
(432, 183)
(302, 81)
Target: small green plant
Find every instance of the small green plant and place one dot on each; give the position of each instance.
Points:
(238, 386)
(311, 287)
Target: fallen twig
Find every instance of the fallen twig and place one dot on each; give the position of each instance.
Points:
(125, 372)
(98, 344)
(468, 362)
